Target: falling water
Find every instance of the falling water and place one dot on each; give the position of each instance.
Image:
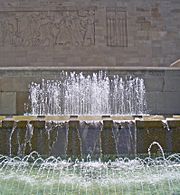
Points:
(33, 174)
(166, 125)
(124, 134)
(10, 138)
(94, 94)
(168, 135)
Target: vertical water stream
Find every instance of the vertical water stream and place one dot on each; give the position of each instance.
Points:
(95, 94)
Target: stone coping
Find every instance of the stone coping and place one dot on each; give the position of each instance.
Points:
(90, 118)
(51, 68)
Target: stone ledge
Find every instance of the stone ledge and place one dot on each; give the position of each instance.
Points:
(71, 68)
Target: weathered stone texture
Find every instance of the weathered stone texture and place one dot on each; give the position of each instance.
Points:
(162, 86)
(89, 33)
(8, 103)
(147, 133)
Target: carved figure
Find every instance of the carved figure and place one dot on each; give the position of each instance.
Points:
(47, 29)
(88, 37)
(64, 36)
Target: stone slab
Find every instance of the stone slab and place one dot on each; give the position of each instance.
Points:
(171, 84)
(8, 103)
(149, 33)
(149, 132)
(22, 105)
(174, 126)
(163, 102)
(162, 86)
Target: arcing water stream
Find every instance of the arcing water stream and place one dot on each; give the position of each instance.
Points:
(35, 175)
(96, 94)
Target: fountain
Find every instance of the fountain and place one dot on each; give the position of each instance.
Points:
(89, 134)
(96, 94)
(35, 175)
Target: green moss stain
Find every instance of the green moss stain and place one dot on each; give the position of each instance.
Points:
(108, 146)
(175, 128)
(51, 128)
(74, 140)
(40, 138)
(21, 127)
(148, 132)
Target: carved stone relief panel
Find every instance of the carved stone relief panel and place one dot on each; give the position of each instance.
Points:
(47, 28)
(116, 25)
(149, 20)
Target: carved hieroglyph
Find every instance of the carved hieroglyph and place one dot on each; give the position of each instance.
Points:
(47, 28)
(116, 24)
(149, 20)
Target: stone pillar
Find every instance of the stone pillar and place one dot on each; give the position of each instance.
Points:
(148, 132)
(74, 141)
(20, 130)
(174, 126)
(5, 132)
(108, 145)
(40, 139)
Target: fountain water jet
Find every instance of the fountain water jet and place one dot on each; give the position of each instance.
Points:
(95, 94)
(77, 138)
(33, 174)
(160, 148)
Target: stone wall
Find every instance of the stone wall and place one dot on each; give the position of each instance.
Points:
(162, 86)
(100, 137)
(89, 33)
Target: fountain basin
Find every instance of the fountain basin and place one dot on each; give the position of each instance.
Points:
(34, 175)
(129, 135)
